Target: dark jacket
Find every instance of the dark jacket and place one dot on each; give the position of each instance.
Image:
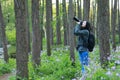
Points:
(83, 35)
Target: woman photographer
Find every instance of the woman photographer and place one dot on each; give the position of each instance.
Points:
(82, 31)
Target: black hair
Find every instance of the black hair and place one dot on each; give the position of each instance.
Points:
(88, 27)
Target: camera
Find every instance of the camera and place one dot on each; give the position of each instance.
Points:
(76, 19)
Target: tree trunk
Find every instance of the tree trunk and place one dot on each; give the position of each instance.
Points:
(75, 7)
(58, 35)
(21, 40)
(79, 9)
(3, 36)
(42, 22)
(113, 23)
(119, 20)
(51, 28)
(48, 25)
(94, 16)
(36, 36)
(0, 37)
(28, 27)
(103, 28)
(71, 35)
(86, 6)
(65, 22)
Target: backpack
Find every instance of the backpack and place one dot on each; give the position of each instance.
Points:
(91, 41)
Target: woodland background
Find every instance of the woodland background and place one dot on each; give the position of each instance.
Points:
(38, 41)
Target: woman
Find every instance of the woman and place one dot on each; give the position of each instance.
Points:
(82, 31)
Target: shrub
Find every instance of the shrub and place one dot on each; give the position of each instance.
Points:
(6, 67)
(12, 51)
(11, 35)
(56, 67)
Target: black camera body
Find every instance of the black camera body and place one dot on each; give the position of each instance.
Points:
(76, 19)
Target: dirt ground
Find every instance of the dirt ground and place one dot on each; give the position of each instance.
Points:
(5, 76)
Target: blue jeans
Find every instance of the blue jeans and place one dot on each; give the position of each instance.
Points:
(83, 56)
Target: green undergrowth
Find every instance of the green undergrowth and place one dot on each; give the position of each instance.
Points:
(12, 51)
(112, 72)
(58, 66)
(7, 67)
(55, 67)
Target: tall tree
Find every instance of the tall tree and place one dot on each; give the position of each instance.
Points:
(71, 35)
(0, 37)
(79, 9)
(65, 22)
(28, 26)
(94, 10)
(103, 28)
(0, 34)
(51, 28)
(42, 2)
(75, 6)
(3, 36)
(36, 36)
(48, 25)
(113, 22)
(119, 20)
(86, 6)
(58, 35)
(21, 40)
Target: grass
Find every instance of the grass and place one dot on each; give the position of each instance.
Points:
(58, 66)
(111, 73)
(7, 67)
(12, 51)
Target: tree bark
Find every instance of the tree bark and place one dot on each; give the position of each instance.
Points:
(36, 36)
(51, 28)
(119, 20)
(103, 29)
(94, 16)
(28, 27)
(3, 36)
(42, 21)
(71, 35)
(79, 9)
(21, 40)
(86, 9)
(113, 23)
(65, 22)
(48, 25)
(58, 33)
(0, 37)
(75, 7)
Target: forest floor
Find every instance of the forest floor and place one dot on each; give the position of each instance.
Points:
(6, 76)
(92, 69)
